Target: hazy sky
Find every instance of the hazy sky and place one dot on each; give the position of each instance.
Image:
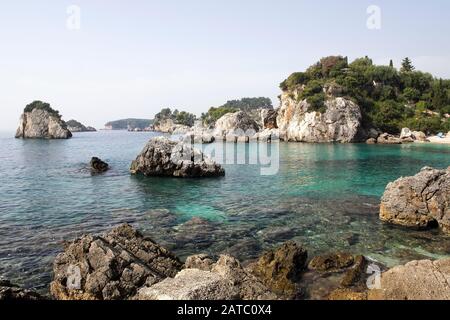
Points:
(131, 58)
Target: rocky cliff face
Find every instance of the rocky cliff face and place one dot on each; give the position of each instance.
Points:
(341, 122)
(41, 124)
(233, 122)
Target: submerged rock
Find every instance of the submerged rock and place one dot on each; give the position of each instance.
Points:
(98, 166)
(196, 232)
(163, 157)
(421, 201)
(281, 268)
(111, 266)
(331, 262)
(39, 121)
(9, 291)
(417, 280)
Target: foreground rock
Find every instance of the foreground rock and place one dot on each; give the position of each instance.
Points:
(417, 280)
(111, 266)
(75, 126)
(421, 201)
(339, 121)
(98, 166)
(40, 121)
(280, 269)
(9, 291)
(224, 280)
(163, 157)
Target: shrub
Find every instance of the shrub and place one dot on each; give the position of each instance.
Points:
(42, 106)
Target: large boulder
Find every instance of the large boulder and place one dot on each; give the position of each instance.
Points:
(9, 291)
(281, 268)
(421, 201)
(419, 136)
(224, 280)
(387, 138)
(417, 280)
(163, 157)
(235, 123)
(39, 121)
(111, 266)
(339, 122)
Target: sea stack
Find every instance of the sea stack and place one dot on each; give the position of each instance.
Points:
(40, 121)
(163, 157)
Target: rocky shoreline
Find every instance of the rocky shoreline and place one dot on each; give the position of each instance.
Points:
(125, 265)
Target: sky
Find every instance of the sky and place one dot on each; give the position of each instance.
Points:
(122, 59)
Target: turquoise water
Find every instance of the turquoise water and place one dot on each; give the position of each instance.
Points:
(325, 196)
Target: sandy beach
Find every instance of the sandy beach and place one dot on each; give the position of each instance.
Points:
(436, 139)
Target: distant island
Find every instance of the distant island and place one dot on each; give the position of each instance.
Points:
(129, 124)
(76, 126)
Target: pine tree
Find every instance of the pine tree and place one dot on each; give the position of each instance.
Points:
(407, 65)
(439, 96)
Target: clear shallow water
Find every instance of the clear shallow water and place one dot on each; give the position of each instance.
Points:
(325, 196)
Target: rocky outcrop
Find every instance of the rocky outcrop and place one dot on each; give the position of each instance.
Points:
(235, 124)
(163, 157)
(39, 123)
(110, 266)
(225, 280)
(75, 126)
(339, 122)
(387, 138)
(270, 119)
(417, 280)
(98, 166)
(9, 291)
(421, 201)
(408, 135)
(281, 268)
(169, 126)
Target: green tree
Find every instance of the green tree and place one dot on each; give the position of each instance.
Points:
(407, 65)
(37, 104)
(439, 101)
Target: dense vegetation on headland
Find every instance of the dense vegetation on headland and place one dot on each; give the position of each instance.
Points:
(244, 104)
(178, 117)
(41, 106)
(390, 99)
(125, 124)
